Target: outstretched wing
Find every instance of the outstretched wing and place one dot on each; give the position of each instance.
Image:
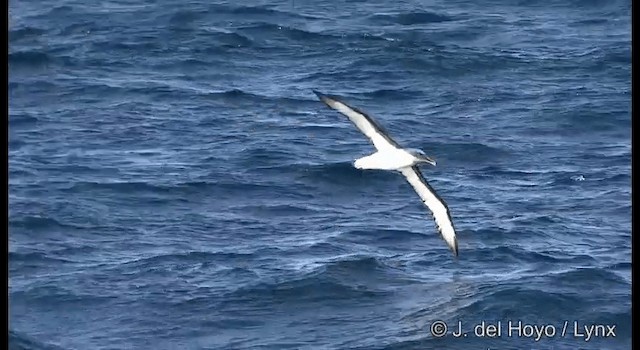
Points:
(366, 124)
(437, 206)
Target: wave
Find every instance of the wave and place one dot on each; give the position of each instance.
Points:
(29, 59)
(173, 89)
(131, 187)
(585, 4)
(147, 45)
(325, 285)
(595, 276)
(521, 174)
(16, 144)
(322, 248)
(184, 17)
(353, 71)
(48, 294)
(422, 55)
(22, 119)
(469, 151)
(227, 40)
(621, 266)
(264, 155)
(411, 18)
(394, 94)
(150, 193)
(262, 11)
(59, 11)
(17, 88)
(241, 96)
(34, 257)
(190, 257)
(566, 180)
(16, 35)
(589, 22)
(39, 222)
(323, 169)
(79, 28)
(380, 234)
(353, 266)
(275, 210)
(269, 30)
(304, 291)
(491, 304)
(44, 223)
(21, 341)
(122, 187)
(221, 265)
(342, 174)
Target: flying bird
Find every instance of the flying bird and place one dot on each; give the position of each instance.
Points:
(391, 156)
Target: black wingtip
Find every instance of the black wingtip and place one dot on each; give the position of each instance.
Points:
(324, 98)
(318, 93)
(455, 249)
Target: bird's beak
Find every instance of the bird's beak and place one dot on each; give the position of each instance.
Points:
(427, 159)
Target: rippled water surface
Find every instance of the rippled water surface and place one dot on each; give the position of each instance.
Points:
(175, 184)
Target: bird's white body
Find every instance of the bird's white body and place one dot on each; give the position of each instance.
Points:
(388, 159)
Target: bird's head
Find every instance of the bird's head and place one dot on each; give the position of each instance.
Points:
(422, 157)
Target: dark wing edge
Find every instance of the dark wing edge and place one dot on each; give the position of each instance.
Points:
(426, 183)
(382, 131)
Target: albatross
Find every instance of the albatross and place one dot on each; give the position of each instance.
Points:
(391, 156)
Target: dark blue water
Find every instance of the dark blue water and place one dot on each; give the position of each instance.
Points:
(175, 184)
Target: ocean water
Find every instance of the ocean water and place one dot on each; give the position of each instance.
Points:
(174, 183)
